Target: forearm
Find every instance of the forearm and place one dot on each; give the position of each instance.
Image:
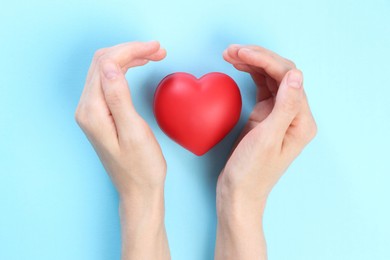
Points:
(127, 147)
(142, 226)
(240, 230)
(240, 241)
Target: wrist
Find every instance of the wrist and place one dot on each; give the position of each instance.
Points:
(142, 226)
(241, 214)
(240, 234)
(142, 207)
(240, 226)
(239, 202)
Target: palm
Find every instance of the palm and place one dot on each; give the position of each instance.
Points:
(243, 150)
(149, 155)
(265, 100)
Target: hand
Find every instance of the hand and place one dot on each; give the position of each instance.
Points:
(127, 147)
(122, 139)
(278, 128)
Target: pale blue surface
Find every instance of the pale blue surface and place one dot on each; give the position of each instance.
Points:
(56, 201)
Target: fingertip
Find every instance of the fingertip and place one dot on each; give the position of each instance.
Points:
(289, 97)
(151, 46)
(245, 52)
(160, 54)
(233, 52)
(225, 55)
(255, 59)
(157, 56)
(164, 53)
(295, 78)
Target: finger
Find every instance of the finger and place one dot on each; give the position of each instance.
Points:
(93, 92)
(125, 55)
(117, 96)
(243, 67)
(267, 86)
(233, 50)
(239, 64)
(274, 67)
(133, 64)
(157, 56)
(303, 129)
(229, 54)
(272, 85)
(288, 104)
(263, 91)
(94, 100)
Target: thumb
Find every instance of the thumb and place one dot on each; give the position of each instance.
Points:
(288, 102)
(117, 96)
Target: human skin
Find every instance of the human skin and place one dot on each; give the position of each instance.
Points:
(279, 127)
(127, 147)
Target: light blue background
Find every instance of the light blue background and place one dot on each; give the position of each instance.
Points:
(56, 201)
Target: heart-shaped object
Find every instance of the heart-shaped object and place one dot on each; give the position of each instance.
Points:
(197, 113)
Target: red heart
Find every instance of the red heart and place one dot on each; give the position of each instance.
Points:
(197, 113)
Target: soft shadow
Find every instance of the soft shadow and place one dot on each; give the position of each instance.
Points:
(148, 86)
(216, 158)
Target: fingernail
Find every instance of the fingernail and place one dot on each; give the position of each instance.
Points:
(110, 71)
(247, 50)
(294, 79)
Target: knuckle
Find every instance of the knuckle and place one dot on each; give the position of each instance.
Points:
(309, 131)
(312, 130)
(107, 61)
(80, 117)
(103, 60)
(99, 53)
(84, 116)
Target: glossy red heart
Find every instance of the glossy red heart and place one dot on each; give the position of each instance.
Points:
(197, 113)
